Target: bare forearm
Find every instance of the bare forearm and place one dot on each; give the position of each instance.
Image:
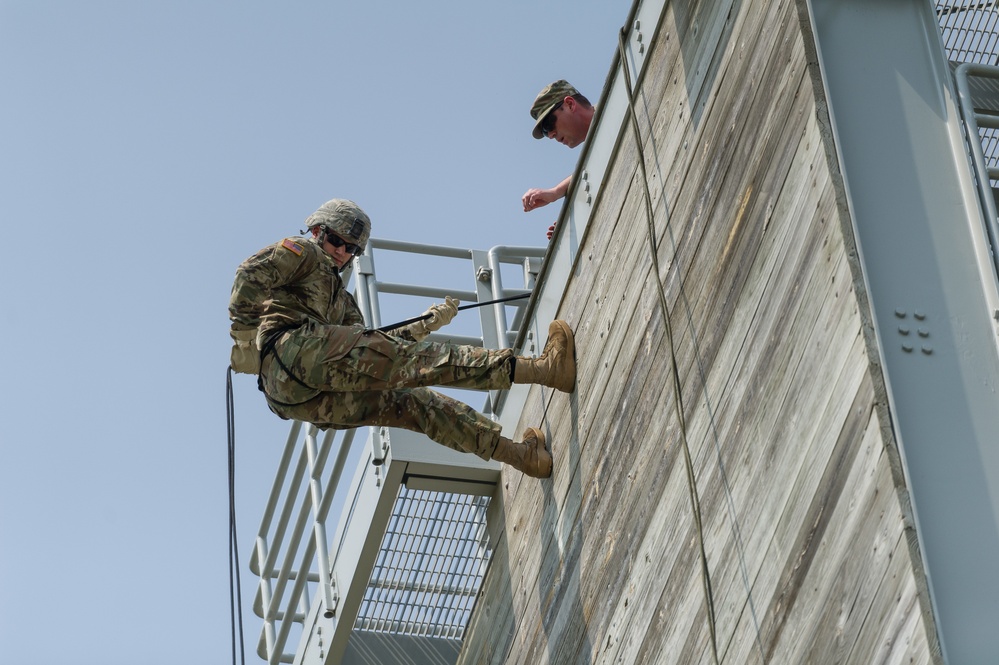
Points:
(537, 198)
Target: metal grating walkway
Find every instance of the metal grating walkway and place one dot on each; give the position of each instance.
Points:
(430, 566)
(969, 30)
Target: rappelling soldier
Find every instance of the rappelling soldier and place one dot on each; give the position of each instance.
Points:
(296, 327)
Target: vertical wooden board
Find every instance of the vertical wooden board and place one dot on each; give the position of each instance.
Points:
(790, 413)
(608, 313)
(543, 572)
(602, 244)
(703, 364)
(528, 533)
(768, 342)
(786, 504)
(692, 88)
(603, 351)
(761, 501)
(706, 318)
(756, 310)
(610, 414)
(797, 593)
(601, 546)
(846, 627)
(656, 578)
(903, 636)
(530, 508)
(735, 215)
(714, 144)
(665, 600)
(602, 559)
(787, 507)
(847, 516)
(739, 550)
(491, 627)
(688, 47)
(755, 339)
(641, 504)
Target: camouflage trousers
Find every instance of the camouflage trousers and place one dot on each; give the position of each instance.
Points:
(338, 380)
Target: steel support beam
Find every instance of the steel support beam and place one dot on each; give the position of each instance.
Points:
(924, 255)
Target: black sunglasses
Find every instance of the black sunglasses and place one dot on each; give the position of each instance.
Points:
(548, 124)
(337, 241)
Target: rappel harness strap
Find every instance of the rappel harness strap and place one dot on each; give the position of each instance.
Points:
(269, 348)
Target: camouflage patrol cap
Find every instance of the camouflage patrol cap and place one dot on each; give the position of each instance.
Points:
(546, 100)
(344, 218)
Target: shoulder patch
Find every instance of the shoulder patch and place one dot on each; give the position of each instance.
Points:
(288, 243)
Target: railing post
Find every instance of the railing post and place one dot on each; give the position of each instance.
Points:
(967, 105)
(366, 288)
(319, 526)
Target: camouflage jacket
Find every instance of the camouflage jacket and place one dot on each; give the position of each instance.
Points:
(288, 284)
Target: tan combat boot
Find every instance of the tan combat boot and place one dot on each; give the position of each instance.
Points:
(556, 368)
(530, 457)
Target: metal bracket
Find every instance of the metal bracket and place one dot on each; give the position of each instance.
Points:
(381, 447)
(330, 610)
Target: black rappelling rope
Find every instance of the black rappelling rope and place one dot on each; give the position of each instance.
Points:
(463, 307)
(235, 597)
(695, 503)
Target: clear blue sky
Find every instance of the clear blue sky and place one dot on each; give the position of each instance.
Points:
(146, 148)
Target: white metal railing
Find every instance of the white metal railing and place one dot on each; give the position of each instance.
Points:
(486, 268)
(982, 111)
(297, 500)
(293, 554)
(970, 33)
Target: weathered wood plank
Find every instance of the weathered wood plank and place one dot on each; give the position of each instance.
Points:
(842, 625)
(758, 427)
(758, 480)
(601, 563)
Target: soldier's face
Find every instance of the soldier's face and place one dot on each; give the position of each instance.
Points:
(569, 124)
(341, 255)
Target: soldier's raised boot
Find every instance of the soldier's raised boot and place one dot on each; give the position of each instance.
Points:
(556, 367)
(530, 457)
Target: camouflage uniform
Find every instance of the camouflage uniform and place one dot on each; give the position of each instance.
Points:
(319, 364)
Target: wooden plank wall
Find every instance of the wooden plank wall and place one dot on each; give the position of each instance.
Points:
(804, 527)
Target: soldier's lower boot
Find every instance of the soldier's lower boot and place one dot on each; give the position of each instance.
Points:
(556, 367)
(530, 457)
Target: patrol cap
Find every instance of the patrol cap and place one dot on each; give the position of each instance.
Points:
(547, 99)
(344, 218)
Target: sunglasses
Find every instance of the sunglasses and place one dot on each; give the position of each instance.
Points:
(337, 241)
(548, 124)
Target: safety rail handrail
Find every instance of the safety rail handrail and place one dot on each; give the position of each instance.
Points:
(976, 115)
(295, 566)
(486, 269)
